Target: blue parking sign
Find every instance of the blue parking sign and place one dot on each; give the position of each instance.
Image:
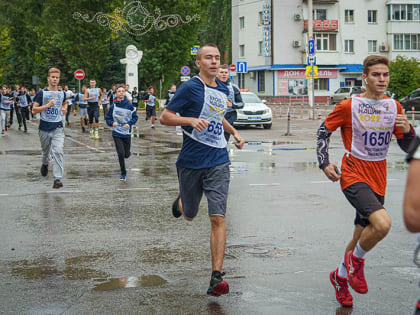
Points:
(311, 47)
(241, 67)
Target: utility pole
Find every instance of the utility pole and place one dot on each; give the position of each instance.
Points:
(311, 80)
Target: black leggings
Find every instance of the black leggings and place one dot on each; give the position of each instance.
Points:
(68, 112)
(24, 111)
(123, 150)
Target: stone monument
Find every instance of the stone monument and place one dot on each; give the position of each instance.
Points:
(131, 60)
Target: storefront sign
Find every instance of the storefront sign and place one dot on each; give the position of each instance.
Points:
(266, 29)
(322, 25)
(301, 74)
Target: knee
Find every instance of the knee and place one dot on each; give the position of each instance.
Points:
(217, 221)
(383, 227)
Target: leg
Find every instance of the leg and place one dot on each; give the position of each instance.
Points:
(57, 151)
(45, 139)
(217, 242)
(358, 229)
(380, 225)
(12, 109)
(190, 192)
(119, 146)
(23, 112)
(90, 115)
(3, 119)
(68, 113)
(18, 115)
(127, 147)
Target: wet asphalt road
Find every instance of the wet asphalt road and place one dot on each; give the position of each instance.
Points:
(98, 246)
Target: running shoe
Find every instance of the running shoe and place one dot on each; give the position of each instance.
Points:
(123, 178)
(57, 184)
(19, 128)
(96, 134)
(417, 308)
(152, 126)
(3, 132)
(83, 129)
(92, 134)
(25, 131)
(175, 208)
(342, 293)
(218, 286)
(354, 266)
(44, 170)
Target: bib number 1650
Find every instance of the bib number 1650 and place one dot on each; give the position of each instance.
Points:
(377, 139)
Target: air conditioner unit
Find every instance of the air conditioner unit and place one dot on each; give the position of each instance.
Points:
(383, 47)
(296, 43)
(297, 17)
(252, 75)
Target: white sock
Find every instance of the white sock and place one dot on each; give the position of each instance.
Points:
(342, 271)
(359, 252)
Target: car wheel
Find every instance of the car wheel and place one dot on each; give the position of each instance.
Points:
(267, 126)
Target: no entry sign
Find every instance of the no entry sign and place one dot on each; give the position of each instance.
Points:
(79, 74)
(232, 67)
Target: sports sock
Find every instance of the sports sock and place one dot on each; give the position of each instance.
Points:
(342, 270)
(359, 252)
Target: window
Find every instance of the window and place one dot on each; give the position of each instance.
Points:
(372, 46)
(261, 81)
(241, 50)
(241, 80)
(242, 22)
(372, 16)
(320, 14)
(349, 46)
(349, 16)
(325, 41)
(260, 48)
(321, 84)
(406, 41)
(404, 12)
(260, 18)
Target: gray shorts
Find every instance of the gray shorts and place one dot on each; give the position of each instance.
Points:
(83, 112)
(214, 182)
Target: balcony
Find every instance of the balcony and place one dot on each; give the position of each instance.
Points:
(322, 25)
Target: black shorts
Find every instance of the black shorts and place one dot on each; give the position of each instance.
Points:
(93, 112)
(364, 200)
(150, 111)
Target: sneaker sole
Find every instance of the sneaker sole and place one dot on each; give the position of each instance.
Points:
(175, 211)
(346, 262)
(333, 284)
(220, 289)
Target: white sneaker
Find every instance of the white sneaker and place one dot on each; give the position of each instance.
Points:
(152, 126)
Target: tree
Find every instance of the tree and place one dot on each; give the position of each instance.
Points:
(404, 75)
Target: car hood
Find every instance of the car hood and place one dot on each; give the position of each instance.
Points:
(254, 106)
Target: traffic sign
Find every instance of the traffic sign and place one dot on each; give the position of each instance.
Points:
(311, 47)
(194, 50)
(312, 72)
(311, 60)
(79, 74)
(185, 78)
(242, 67)
(185, 70)
(232, 67)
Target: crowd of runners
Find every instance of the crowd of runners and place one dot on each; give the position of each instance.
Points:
(205, 108)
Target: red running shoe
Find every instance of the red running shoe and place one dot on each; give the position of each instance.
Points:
(356, 276)
(218, 286)
(342, 293)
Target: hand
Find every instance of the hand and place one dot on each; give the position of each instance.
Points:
(199, 123)
(402, 122)
(126, 126)
(330, 172)
(51, 103)
(229, 104)
(239, 141)
(63, 111)
(114, 124)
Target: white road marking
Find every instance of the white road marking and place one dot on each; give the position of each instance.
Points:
(85, 145)
(3, 195)
(132, 189)
(272, 184)
(321, 182)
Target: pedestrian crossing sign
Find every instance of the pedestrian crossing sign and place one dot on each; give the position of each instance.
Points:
(309, 70)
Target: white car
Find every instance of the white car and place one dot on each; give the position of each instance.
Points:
(254, 112)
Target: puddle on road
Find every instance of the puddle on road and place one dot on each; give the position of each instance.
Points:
(235, 251)
(130, 282)
(21, 152)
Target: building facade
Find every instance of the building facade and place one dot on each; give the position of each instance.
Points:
(271, 36)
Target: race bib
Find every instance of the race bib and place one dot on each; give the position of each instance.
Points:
(121, 116)
(52, 114)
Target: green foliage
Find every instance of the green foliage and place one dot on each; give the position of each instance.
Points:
(404, 75)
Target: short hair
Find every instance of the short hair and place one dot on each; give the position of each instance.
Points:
(120, 86)
(54, 70)
(374, 60)
(200, 50)
(224, 67)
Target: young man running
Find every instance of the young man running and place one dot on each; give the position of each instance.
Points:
(121, 116)
(203, 163)
(367, 123)
(69, 98)
(150, 106)
(83, 114)
(23, 101)
(234, 97)
(93, 96)
(52, 103)
(6, 101)
(16, 108)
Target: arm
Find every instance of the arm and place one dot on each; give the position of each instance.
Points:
(134, 117)
(38, 108)
(230, 129)
(101, 96)
(109, 119)
(238, 103)
(411, 205)
(170, 118)
(323, 142)
(87, 98)
(403, 130)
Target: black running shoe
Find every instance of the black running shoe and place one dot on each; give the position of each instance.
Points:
(175, 208)
(57, 184)
(44, 170)
(83, 129)
(218, 286)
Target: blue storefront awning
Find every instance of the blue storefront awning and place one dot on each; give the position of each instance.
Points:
(352, 68)
(343, 68)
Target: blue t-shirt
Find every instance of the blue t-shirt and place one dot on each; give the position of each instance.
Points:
(45, 125)
(188, 102)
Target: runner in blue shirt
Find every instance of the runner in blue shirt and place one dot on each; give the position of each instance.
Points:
(203, 163)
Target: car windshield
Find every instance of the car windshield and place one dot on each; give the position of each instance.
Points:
(357, 89)
(344, 90)
(250, 98)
